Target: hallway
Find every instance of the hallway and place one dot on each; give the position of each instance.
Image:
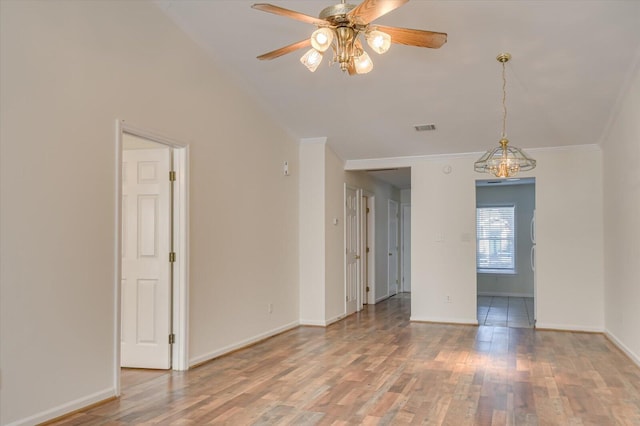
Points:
(377, 367)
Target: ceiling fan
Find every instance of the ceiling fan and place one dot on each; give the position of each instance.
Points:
(339, 26)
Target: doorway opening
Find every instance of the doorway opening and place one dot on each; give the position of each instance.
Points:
(505, 252)
(151, 321)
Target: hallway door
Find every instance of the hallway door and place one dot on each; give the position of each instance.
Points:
(393, 248)
(352, 240)
(406, 248)
(146, 269)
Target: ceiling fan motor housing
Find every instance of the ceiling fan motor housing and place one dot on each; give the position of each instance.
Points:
(337, 14)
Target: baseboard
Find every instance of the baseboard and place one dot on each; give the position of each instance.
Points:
(242, 344)
(385, 297)
(321, 323)
(503, 294)
(624, 348)
(67, 408)
(335, 319)
(567, 327)
(313, 323)
(457, 321)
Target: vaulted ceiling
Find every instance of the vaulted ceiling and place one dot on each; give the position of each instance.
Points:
(571, 61)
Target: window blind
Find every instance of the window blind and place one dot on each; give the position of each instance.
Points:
(495, 227)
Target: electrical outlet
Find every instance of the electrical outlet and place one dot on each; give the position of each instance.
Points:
(447, 299)
(270, 308)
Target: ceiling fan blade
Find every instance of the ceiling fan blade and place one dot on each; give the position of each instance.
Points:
(265, 7)
(420, 38)
(370, 10)
(284, 50)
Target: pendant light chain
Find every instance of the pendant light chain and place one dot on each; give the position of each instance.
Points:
(504, 102)
(502, 161)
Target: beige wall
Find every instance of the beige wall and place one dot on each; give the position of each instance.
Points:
(622, 222)
(570, 257)
(69, 69)
(312, 231)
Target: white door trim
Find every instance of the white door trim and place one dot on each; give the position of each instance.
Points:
(181, 245)
(403, 251)
(358, 246)
(390, 247)
(370, 230)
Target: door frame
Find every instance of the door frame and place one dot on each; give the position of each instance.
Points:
(403, 245)
(389, 202)
(180, 290)
(358, 192)
(369, 231)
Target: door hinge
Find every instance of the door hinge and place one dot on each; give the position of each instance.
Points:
(347, 298)
(368, 288)
(367, 209)
(367, 249)
(172, 256)
(172, 339)
(172, 176)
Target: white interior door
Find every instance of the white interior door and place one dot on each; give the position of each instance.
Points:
(406, 248)
(351, 231)
(146, 270)
(393, 248)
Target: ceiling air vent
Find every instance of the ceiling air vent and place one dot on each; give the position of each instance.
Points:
(424, 127)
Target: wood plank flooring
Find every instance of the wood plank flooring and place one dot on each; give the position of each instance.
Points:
(376, 367)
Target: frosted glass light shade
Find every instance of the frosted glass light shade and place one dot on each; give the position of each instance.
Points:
(321, 39)
(363, 63)
(311, 59)
(379, 41)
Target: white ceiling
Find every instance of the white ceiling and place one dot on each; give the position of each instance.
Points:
(571, 60)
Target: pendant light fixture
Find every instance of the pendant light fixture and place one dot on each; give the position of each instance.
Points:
(504, 161)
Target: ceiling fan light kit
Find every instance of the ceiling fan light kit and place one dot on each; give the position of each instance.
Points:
(339, 27)
(504, 161)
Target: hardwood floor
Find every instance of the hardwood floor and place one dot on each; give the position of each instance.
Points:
(376, 367)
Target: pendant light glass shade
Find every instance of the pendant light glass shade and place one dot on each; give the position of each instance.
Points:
(311, 59)
(504, 161)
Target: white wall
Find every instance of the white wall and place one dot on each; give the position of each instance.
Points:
(334, 237)
(443, 241)
(622, 223)
(68, 71)
(312, 231)
(523, 198)
(569, 239)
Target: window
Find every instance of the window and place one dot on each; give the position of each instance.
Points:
(495, 227)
